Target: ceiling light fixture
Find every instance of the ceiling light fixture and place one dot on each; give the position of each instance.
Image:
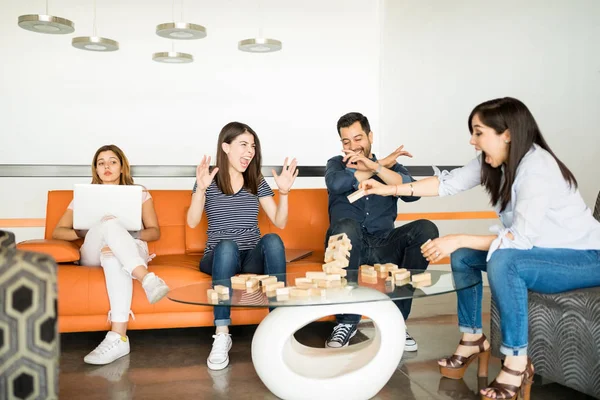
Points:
(44, 23)
(260, 44)
(172, 57)
(95, 42)
(180, 30)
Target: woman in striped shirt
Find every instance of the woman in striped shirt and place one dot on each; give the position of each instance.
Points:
(230, 195)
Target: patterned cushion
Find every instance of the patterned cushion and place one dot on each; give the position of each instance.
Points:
(29, 342)
(564, 337)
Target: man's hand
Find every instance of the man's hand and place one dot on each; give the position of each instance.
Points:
(359, 161)
(390, 160)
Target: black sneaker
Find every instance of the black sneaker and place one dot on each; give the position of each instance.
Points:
(341, 335)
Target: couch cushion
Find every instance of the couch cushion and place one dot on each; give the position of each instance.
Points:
(61, 250)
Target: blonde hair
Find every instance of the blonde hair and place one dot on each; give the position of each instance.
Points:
(125, 178)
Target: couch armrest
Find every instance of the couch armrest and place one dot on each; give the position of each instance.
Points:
(61, 250)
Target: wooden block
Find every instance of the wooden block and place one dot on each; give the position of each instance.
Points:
(335, 238)
(283, 297)
(333, 277)
(273, 286)
(296, 292)
(283, 291)
(389, 284)
(239, 280)
(335, 283)
(315, 275)
(382, 274)
(421, 284)
(304, 285)
(369, 279)
(261, 277)
(322, 283)
(423, 245)
(379, 267)
(220, 289)
(335, 264)
(344, 245)
(421, 277)
(369, 272)
(317, 292)
(302, 280)
(366, 267)
(236, 286)
(328, 256)
(252, 289)
(268, 280)
(402, 275)
(212, 296)
(335, 270)
(271, 293)
(251, 283)
(391, 267)
(223, 296)
(402, 282)
(356, 195)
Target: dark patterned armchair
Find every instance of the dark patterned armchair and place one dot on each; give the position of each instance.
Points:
(564, 335)
(29, 342)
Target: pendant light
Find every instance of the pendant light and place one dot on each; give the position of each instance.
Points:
(177, 31)
(180, 30)
(95, 42)
(172, 57)
(45, 23)
(260, 44)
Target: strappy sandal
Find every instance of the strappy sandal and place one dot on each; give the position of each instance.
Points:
(456, 365)
(512, 392)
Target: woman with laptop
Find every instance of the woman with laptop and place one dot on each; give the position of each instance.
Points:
(123, 255)
(230, 196)
(549, 241)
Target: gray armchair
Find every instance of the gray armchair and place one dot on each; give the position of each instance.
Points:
(564, 335)
(29, 342)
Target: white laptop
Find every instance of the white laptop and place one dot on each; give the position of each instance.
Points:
(92, 202)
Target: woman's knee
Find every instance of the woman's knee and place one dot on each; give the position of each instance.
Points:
(226, 248)
(460, 259)
(272, 242)
(427, 229)
(502, 263)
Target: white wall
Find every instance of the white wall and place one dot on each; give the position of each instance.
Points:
(442, 58)
(416, 68)
(61, 103)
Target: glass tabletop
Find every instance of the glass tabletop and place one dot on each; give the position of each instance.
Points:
(354, 288)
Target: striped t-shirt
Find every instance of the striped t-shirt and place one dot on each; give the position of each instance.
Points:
(233, 217)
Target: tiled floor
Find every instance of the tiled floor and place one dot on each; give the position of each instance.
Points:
(171, 363)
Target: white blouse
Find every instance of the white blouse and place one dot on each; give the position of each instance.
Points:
(544, 211)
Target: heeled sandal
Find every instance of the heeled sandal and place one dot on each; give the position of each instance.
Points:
(456, 365)
(512, 392)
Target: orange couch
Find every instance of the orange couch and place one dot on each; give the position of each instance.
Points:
(82, 298)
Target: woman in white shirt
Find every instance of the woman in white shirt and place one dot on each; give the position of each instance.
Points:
(549, 242)
(123, 255)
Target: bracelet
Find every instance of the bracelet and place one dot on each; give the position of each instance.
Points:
(378, 170)
(412, 189)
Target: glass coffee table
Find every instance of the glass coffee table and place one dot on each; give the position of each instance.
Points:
(293, 371)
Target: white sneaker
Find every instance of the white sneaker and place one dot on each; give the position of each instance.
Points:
(112, 347)
(154, 287)
(410, 344)
(219, 355)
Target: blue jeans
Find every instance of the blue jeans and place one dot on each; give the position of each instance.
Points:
(226, 260)
(511, 273)
(401, 247)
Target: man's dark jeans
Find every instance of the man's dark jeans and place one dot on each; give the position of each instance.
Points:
(401, 247)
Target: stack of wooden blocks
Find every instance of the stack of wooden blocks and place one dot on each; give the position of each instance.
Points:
(393, 276)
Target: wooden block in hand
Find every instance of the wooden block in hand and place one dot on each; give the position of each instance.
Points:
(356, 195)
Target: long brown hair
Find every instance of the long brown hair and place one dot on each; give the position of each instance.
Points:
(252, 175)
(512, 114)
(125, 178)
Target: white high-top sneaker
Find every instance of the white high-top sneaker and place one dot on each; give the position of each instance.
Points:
(154, 287)
(219, 355)
(112, 347)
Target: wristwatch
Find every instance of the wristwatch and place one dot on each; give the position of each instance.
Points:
(378, 170)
